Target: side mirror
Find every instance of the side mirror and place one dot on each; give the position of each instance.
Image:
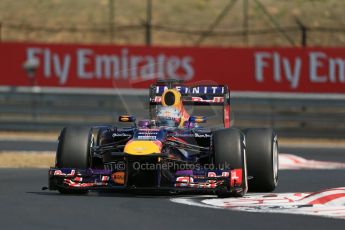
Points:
(197, 119)
(126, 118)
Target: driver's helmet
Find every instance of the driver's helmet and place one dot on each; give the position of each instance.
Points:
(168, 116)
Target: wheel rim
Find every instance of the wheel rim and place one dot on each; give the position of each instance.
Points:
(275, 162)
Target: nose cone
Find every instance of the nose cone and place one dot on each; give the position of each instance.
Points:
(138, 147)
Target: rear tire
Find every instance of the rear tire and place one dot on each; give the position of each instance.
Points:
(262, 158)
(74, 152)
(230, 149)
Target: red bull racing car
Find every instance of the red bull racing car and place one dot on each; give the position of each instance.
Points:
(174, 150)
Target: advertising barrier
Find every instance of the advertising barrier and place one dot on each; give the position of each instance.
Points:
(301, 70)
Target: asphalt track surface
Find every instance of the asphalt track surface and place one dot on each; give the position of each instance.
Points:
(24, 206)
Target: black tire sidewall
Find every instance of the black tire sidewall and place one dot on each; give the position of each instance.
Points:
(74, 148)
(230, 150)
(227, 148)
(260, 145)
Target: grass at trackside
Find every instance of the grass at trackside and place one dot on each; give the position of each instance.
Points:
(28, 136)
(26, 160)
(179, 14)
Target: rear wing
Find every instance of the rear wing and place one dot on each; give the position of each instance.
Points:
(198, 95)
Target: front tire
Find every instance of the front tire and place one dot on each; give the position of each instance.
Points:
(230, 149)
(262, 157)
(74, 152)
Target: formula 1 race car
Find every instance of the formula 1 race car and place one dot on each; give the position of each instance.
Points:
(172, 151)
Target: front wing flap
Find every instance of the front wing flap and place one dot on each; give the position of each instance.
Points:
(186, 180)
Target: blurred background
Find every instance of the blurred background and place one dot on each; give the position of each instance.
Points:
(253, 24)
(178, 22)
